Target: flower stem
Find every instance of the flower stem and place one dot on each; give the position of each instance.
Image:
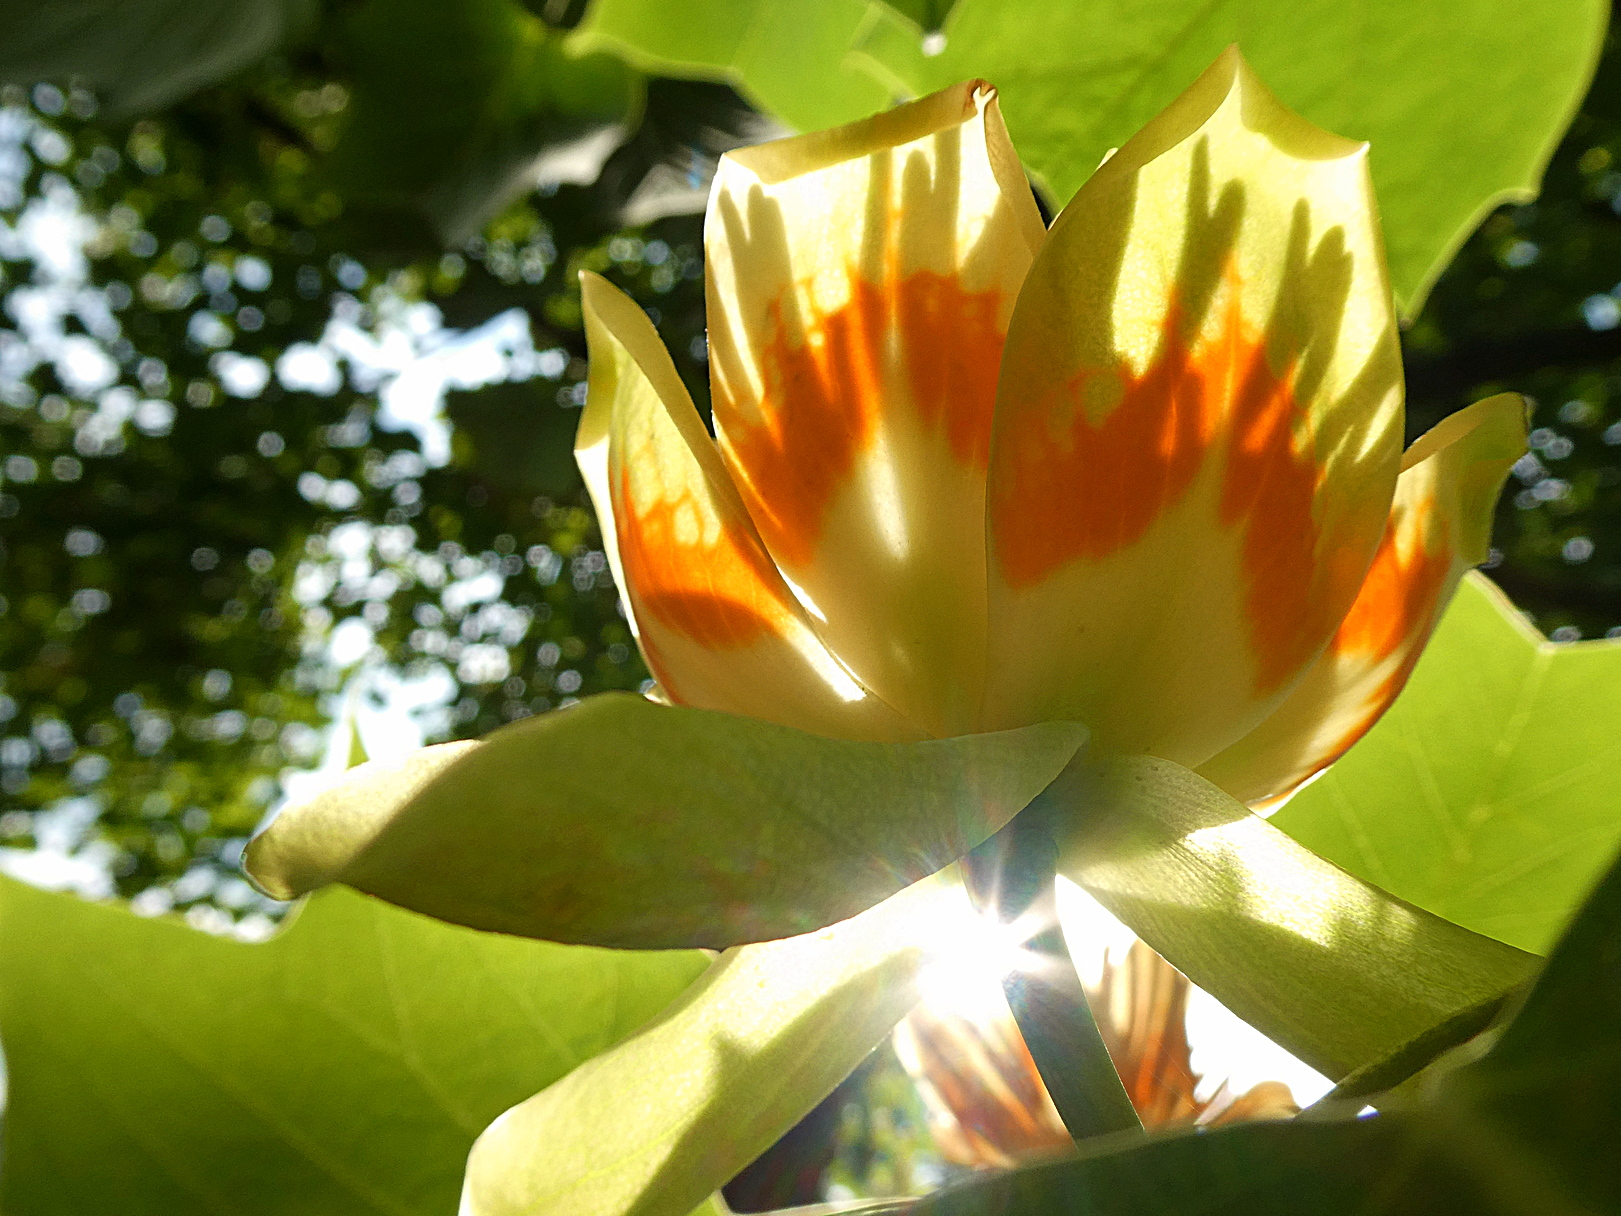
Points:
(1011, 876)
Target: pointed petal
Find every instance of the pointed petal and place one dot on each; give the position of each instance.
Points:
(717, 624)
(1198, 428)
(677, 1109)
(1439, 527)
(860, 284)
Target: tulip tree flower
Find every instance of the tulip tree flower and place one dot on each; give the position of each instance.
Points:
(978, 491)
(1142, 471)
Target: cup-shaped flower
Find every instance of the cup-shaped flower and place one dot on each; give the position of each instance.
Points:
(1142, 470)
(978, 491)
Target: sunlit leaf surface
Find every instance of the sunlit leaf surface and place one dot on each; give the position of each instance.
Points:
(1335, 970)
(341, 1069)
(790, 54)
(664, 1119)
(1488, 793)
(621, 822)
(1527, 1127)
(1463, 101)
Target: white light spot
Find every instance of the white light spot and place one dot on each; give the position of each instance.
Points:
(307, 368)
(803, 596)
(889, 514)
(351, 641)
(969, 954)
(240, 375)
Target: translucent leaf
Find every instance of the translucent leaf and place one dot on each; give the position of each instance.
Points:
(1487, 793)
(675, 1111)
(1334, 969)
(341, 1069)
(624, 823)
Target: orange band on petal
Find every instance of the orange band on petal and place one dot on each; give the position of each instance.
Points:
(1270, 486)
(817, 411)
(695, 574)
(824, 395)
(953, 373)
(1094, 489)
(1399, 606)
(1401, 592)
(1438, 526)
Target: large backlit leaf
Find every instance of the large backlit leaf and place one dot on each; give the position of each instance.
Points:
(1549, 1090)
(343, 1068)
(142, 54)
(788, 55)
(620, 822)
(1528, 1127)
(1463, 100)
(1488, 793)
(653, 1126)
(1335, 970)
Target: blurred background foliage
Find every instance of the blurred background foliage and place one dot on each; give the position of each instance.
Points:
(212, 518)
(290, 360)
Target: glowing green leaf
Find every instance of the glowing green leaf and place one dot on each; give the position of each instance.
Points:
(343, 1068)
(623, 823)
(1335, 970)
(1462, 100)
(1487, 793)
(787, 54)
(653, 1126)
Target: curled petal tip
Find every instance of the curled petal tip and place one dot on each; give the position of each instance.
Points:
(1198, 427)
(1439, 526)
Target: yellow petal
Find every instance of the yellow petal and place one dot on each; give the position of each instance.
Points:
(717, 624)
(1198, 428)
(860, 285)
(1439, 527)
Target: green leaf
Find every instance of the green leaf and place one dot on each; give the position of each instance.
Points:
(653, 1126)
(1261, 1169)
(1462, 100)
(1549, 1089)
(1487, 793)
(927, 15)
(1521, 1122)
(344, 1067)
(455, 104)
(142, 55)
(788, 56)
(1335, 970)
(624, 823)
